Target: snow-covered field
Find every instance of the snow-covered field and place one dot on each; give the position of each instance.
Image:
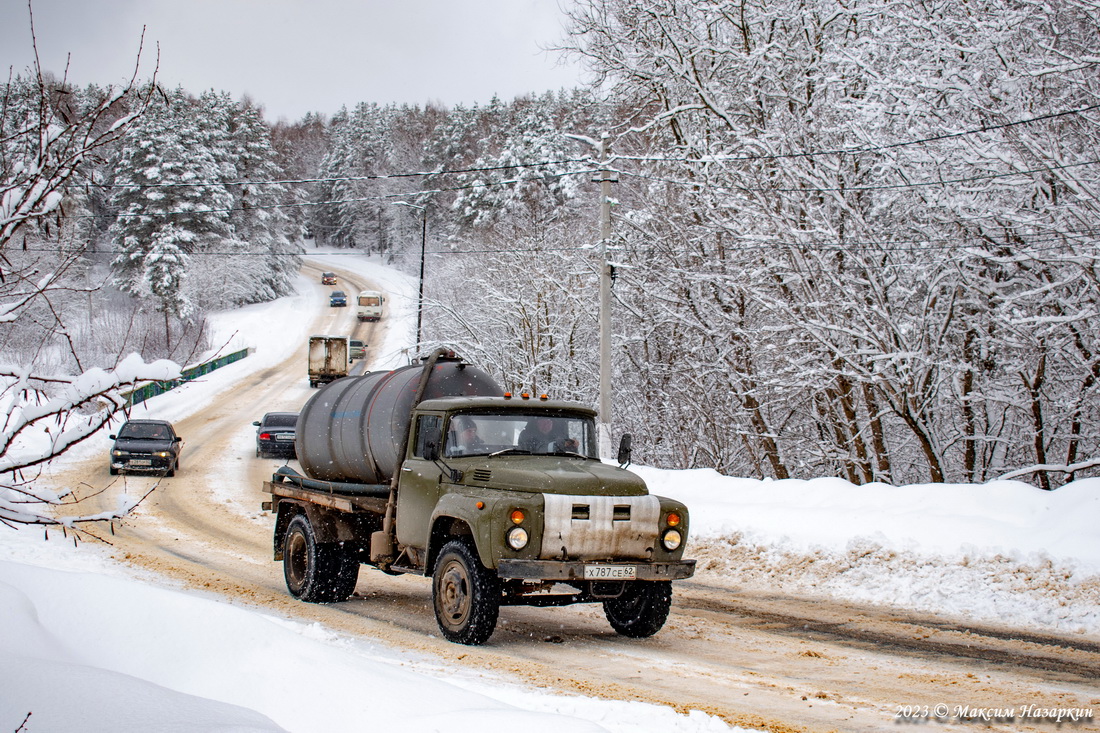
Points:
(88, 645)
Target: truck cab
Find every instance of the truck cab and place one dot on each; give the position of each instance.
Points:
(554, 524)
(538, 459)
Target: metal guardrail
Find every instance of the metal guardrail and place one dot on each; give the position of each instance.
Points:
(152, 389)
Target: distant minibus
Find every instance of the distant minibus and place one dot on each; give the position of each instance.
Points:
(369, 305)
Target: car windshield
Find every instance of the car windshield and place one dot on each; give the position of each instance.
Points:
(280, 421)
(540, 434)
(144, 431)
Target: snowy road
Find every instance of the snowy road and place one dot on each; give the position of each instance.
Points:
(772, 662)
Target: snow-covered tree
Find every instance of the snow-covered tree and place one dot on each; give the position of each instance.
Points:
(167, 176)
(166, 269)
(532, 166)
(204, 168)
(48, 136)
(859, 228)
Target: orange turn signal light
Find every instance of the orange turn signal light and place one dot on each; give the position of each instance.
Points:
(517, 516)
(480, 505)
(673, 519)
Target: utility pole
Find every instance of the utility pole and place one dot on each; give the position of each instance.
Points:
(420, 295)
(606, 179)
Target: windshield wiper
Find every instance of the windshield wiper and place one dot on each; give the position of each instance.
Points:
(570, 453)
(517, 451)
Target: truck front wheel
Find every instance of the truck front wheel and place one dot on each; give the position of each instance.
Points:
(466, 595)
(641, 610)
(316, 572)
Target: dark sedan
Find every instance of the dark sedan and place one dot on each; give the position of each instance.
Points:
(146, 446)
(275, 434)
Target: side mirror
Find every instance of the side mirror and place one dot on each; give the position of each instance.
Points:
(624, 450)
(112, 436)
(256, 423)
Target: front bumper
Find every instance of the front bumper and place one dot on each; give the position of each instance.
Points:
(157, 465)
(573, 570)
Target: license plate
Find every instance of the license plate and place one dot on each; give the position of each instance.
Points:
(610, 572)
(140, 462)
(284, 438)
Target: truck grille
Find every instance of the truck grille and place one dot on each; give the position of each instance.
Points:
(599, 527)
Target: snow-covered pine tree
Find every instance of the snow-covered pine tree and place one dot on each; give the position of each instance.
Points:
(167, 176)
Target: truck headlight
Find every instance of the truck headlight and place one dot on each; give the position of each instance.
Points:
(671, 539)
(517, 538)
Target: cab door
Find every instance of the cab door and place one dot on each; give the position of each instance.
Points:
(419, 484)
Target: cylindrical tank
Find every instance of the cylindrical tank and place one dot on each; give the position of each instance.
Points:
(352, 429)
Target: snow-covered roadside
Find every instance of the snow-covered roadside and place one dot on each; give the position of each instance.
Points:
(1002, 552)
(93, 649)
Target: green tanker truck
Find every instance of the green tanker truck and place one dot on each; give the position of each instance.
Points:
(432, 470)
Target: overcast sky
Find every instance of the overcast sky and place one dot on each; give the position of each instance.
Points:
(297, 56)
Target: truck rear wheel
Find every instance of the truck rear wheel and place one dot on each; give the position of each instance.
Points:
(316, 572)
(641, 610)
(466, 595)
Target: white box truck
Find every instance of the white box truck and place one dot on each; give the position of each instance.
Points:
(328, 359)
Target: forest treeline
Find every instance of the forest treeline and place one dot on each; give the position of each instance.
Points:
(849, 238)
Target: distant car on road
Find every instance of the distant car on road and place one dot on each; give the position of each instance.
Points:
(275, 434)
(328, 278)
(147, 446)
(337, 299)
(356, 350)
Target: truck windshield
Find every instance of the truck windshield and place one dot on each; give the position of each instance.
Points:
(540, 434)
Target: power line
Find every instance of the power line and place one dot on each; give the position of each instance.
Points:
(1043, 242)
(588, 159)
(863, 150)
(883, 187)
(347, 179)
(330, 202)
(659, 179)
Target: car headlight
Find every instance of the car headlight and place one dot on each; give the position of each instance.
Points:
(671, 539)
(517, 538)
(117, 453)
(164, 454)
